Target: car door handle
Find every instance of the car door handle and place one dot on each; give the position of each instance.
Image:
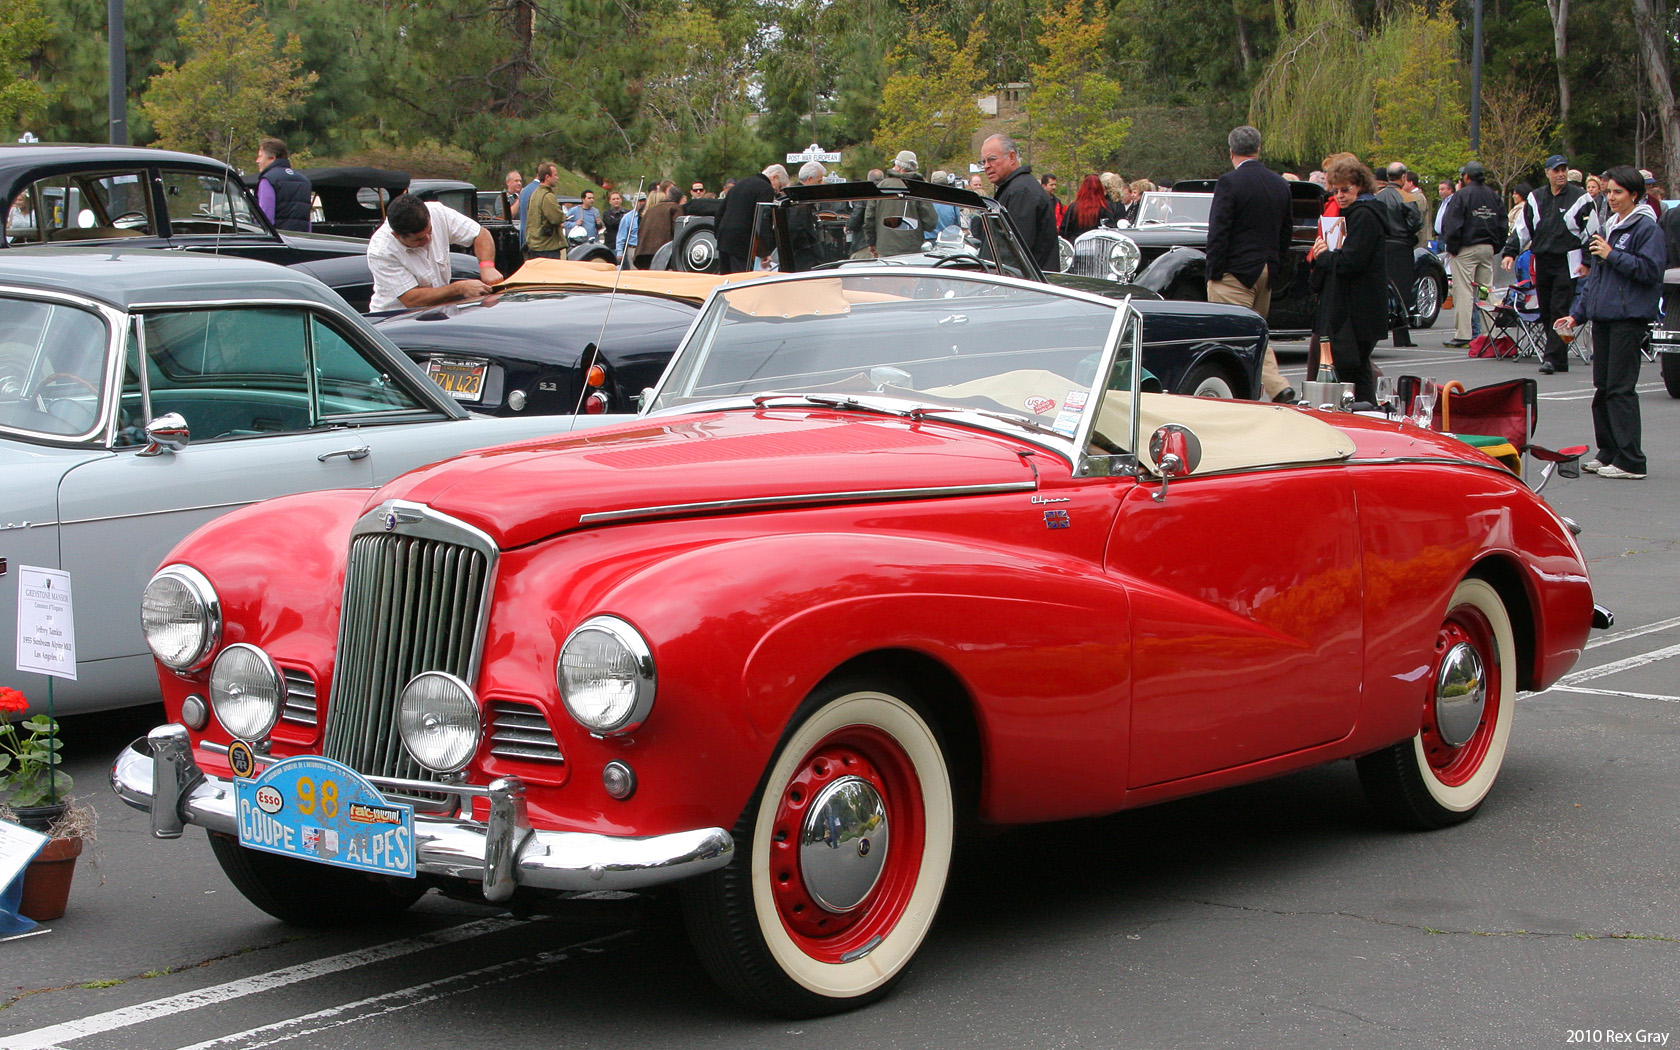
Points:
(359, 452)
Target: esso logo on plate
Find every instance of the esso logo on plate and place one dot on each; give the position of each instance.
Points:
(269, 800)
(1040, 405)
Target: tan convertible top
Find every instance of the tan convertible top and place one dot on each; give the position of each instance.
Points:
(565, 273)
(1235, 435)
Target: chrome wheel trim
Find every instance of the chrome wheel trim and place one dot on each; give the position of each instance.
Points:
(1426, 295)
(843, 844)
(1460, 694)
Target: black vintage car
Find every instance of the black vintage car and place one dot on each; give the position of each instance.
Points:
(559, 347)
(351, 202)
(1665, 332)
(1165, 250)
(148, 198)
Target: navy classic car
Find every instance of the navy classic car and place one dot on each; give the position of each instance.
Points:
(1164, 250)
(555, 339)
(134, 197)
(144, 393)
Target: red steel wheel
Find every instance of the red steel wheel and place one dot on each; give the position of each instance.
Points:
(841, 859)
(1442, 775)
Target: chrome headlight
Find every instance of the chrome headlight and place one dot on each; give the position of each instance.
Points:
(606, 676)
(1123, 258)
(438, 718)
(181, 617)
(246, 691)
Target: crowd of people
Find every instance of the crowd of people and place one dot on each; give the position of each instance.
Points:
(1596, 248)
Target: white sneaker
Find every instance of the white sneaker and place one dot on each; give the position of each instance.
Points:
(1610, 470)
(1592, 466)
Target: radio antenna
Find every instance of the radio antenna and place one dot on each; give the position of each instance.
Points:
(592, 351)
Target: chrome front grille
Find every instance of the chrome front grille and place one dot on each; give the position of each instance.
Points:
(520, 731)
(1090, 257)
(416, 595)
(300, 706)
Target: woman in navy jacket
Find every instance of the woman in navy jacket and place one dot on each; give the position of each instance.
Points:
(1620, 298)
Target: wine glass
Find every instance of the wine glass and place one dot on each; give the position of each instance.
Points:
(1424, 402)
(1385, 395)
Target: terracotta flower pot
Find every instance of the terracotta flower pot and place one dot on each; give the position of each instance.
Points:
(46, 882)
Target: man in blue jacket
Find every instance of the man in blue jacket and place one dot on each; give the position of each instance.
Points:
(1620, 298)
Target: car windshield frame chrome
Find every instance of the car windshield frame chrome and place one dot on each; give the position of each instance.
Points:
(116, 326)
(1074, 448)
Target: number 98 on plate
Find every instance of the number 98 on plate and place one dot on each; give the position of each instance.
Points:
(319, 810)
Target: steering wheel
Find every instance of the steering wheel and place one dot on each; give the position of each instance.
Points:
(70, 376)
(967, 262)
(138, 218)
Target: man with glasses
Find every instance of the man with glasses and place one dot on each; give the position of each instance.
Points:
(1024, 199)
(697, 190)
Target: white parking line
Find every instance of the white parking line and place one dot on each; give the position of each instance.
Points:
(1617, 666)
(1634, 632)
(380, 1006)
(1642, 388)
(1615, 692)
(51, 1037)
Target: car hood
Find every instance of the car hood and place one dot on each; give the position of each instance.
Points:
(706, 463)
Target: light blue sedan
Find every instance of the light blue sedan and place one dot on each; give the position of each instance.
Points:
(143, 393)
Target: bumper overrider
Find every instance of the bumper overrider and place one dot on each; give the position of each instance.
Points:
(157, 773)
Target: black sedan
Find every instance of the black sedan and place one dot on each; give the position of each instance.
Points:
(97, 196)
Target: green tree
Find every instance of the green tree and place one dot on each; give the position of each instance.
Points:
(1517, 126)
(237, 81)
(928, 103)
(694, 105)
(1074, 104)
(1315, 95)
(1420, 100)
(23, 29)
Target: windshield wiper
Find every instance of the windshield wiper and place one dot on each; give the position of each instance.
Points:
(1023, 422)
(835, 401)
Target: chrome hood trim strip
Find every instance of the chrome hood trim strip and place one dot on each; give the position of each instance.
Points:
(727, 506)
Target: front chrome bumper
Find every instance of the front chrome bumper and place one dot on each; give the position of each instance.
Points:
(157, 773)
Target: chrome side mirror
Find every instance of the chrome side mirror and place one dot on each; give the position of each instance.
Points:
(168, 431)
(1177, 452)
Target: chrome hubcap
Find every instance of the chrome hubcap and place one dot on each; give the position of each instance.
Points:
(1460, 694)
(843, 844)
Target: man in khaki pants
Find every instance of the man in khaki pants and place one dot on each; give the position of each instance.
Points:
(1249, 230)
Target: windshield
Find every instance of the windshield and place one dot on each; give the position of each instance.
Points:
(52, 368)
(866, 230)
(1174, 207)
(907, 341)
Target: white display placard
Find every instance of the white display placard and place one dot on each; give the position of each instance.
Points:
(46, 639)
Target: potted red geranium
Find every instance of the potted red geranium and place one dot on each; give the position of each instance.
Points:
(35, 792)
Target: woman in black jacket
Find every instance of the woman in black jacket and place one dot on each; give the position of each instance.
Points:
(1352, 279)
(1620, 297)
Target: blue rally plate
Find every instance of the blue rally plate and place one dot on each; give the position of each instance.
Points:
(317, 809)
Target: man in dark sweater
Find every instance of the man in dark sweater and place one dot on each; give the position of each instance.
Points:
(1249, 229)
(740, 213)
(1553, 223)
(1472, 224)
(1032, 210)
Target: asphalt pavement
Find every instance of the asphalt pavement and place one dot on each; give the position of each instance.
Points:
(1280, 914)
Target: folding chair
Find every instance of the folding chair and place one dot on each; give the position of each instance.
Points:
(1499, 419)
(1517, 317)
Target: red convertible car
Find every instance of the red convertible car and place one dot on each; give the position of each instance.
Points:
(892, 551)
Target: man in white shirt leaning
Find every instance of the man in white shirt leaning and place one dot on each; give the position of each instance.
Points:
(409, 256)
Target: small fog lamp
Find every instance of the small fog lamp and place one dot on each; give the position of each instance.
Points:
(619, 780)
(246, 691)
(439, 721)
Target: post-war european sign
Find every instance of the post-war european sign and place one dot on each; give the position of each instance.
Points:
(814, 152)
(46, 626)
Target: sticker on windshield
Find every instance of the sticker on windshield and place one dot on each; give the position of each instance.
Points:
(1041, 406)
(1073, 406)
